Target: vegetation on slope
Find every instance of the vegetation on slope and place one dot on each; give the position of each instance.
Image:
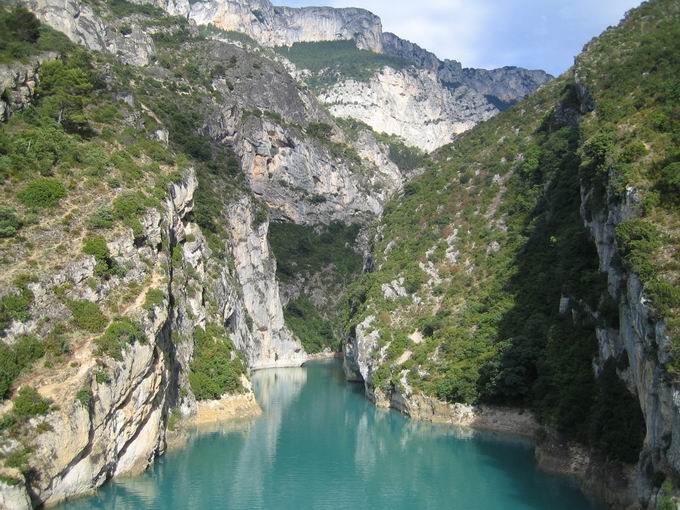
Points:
(491, 244)
(22, 35)
(80, 166)
(332, 61)
(303, 253)
(216, 368)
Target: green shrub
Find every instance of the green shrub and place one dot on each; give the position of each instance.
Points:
(9, 223)
(638, 240)
(320, 130)
(84, 396)
(665, 499)
(18, 459)
(670, 181)
(28, 403)
(22, 24)
(153, 299)
(96, 246)
(121, 333)
(129, 205)
(87, 315)
(103, 218)
(42, 193)
(16, 358)
(314, 331)
(15, 306)
(214, 371)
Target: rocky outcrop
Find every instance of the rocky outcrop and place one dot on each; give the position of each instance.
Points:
(18, 83)
(504, 85)
(301, 176)
(82, 25)
(411, 103)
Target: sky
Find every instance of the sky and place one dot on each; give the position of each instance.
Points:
(536, 34)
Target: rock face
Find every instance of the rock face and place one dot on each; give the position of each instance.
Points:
(283, 26)
(641, 338)
(17, 85)
(272, 344)
(80, 23)
(505, 85)
(302, 182)
(411, 103)
(122, 426)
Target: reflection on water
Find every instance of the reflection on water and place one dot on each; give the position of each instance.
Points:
(276, 389)
(321, 445)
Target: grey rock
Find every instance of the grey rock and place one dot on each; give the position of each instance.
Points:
(503, 85)
(81, 24)
(18, 82)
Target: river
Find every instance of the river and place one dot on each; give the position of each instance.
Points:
(320, 444)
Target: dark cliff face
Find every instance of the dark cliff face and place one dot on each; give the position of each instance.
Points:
(503, 87)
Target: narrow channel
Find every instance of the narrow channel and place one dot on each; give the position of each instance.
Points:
(320, 444)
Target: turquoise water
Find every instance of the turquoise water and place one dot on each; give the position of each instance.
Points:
(321, 445)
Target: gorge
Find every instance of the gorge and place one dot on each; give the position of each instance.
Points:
(199, 196)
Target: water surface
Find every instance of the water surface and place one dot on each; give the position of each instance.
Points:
(321, 445)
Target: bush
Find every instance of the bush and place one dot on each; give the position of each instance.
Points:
(154, 298)
(96, 246)
(84, 396)
(15, 307)
(670, 181)
(9, 223)
(23, 25)
(637, 241)
(314, 331)
(215, 370)
(665, 498)
(42, 193)
(129, 205)
(118, 335)
(103, 218)
(87, 315)
(28, 403)
(15, 358)
(320, 130)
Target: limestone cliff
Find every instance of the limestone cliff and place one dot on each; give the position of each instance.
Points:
(82, 24)
(283, 26)
(411, 103)
(122, 425)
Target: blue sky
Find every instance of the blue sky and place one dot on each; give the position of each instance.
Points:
(538, 34)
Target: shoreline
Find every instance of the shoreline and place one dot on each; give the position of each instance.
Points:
(611, 484)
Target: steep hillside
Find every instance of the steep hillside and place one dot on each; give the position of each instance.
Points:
(537, 265)
(346, 51)
(138, 284)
